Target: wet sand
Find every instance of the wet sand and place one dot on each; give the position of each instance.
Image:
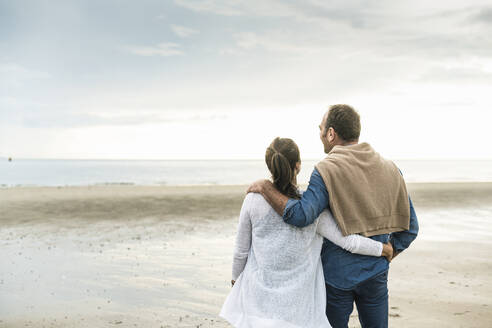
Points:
(142, 256)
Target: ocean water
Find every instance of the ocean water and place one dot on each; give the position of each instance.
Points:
(38, 172)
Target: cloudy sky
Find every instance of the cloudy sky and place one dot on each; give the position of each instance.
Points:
(220, 79)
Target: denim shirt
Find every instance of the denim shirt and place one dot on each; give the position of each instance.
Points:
(342, 269)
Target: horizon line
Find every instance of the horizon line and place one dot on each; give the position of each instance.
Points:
(220, 159)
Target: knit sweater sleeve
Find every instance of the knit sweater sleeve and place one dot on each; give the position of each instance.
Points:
(243, 239)
(328, 228)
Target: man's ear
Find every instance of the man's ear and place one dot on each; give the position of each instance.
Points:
(331, 134)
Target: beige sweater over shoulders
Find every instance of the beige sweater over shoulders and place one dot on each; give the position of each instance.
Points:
(367, 192)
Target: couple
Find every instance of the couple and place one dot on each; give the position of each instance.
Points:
(355, 199)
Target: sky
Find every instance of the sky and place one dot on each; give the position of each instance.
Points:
(210, 79)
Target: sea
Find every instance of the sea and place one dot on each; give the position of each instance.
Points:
(56, 172)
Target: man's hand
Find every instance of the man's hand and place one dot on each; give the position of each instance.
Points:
(274, 197)
(395, 253)
(258, 186)
(388, 251)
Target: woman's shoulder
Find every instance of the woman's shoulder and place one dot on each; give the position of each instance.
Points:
(256, 203)
(254, 198)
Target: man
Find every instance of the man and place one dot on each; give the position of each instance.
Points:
(366, 195)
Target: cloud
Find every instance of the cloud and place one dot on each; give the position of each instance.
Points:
(357, 14)
(388, 27)
(456, 74)
(275, 41)
(484, 15)
(275, 54)
(183, 31)
(164, 49)
(12, 74)
(67, 119)
(217, 7)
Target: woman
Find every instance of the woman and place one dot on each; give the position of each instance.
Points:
(277, 274)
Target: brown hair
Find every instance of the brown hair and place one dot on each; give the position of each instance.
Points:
(345, 121)
(281, 158)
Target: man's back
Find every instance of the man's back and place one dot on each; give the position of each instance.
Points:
(368, 195)
(342, 269)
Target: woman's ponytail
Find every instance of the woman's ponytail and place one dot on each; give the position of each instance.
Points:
(281, 158)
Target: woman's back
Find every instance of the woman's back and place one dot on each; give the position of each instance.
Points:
(277, 246)
(282, 284)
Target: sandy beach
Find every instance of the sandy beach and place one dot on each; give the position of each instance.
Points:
(154, 256)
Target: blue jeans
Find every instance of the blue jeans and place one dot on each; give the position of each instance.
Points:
(371, 298)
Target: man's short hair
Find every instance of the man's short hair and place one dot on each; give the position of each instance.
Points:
(345, 121)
